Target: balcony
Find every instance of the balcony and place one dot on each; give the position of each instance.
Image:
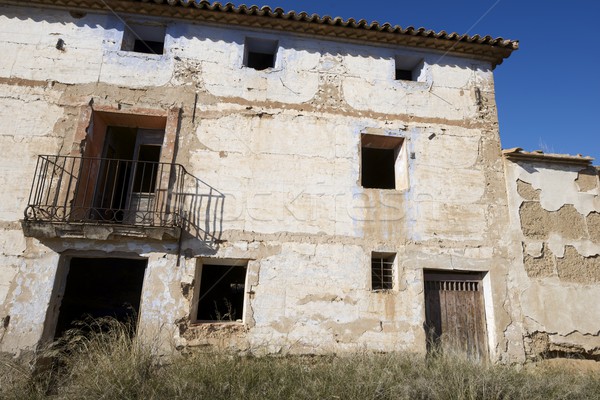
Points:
(102, 198)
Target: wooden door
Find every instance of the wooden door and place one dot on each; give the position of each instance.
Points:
(455, 313)
(84, 199)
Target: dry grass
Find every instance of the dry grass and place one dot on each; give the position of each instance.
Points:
(109, 364)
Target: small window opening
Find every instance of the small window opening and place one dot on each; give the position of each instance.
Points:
(379, 159)
(382, 271)
(260, 53)
(221, 295)
(144, 39)
(408, 68)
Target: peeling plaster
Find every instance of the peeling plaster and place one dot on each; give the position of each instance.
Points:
(283, 146)
(554, 214)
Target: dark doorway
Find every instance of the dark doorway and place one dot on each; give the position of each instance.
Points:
(455, 313)
(101, 287)
(221, 296)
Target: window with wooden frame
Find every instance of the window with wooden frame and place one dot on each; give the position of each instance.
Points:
(382, 271)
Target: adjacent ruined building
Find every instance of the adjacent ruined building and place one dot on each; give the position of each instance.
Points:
(554, 207)
(258, 181)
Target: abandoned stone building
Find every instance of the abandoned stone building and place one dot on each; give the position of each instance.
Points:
(246, 179)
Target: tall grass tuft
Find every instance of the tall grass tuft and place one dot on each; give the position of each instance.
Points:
(106, 361)
(103, 359)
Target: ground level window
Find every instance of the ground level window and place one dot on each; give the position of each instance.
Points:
(382, 271)
(221, 295)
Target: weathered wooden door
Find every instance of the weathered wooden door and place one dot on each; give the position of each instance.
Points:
(455, 313)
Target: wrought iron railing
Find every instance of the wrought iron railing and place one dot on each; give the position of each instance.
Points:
(71, 189)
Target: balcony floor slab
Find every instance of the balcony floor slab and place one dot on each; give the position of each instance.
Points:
(70, 230)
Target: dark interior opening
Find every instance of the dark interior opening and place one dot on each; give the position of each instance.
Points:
(148, 46)
(260, 61)
(114, 176)
(378, 168)
(101, 287)
(146, 169)
(404, 75)
(129, 164)
(221, 296)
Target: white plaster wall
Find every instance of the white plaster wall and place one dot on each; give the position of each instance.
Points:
(92, 53)
(252, 159)
(162, 301)
(27, 301)
(28, 39)
(283, 145)
(27, 119)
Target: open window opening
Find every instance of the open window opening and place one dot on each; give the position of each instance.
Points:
(383, 162)
(149, 39)
(455, 317)
(382, 271)
(101, 287)
(408, 68)
(260, 53)
(221, 293)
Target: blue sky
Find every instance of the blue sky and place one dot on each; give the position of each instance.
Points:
(547, 91)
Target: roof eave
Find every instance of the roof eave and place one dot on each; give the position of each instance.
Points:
(327, 27)
(517, 154)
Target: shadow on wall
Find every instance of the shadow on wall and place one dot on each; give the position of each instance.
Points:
(113, 27)
(202, 211)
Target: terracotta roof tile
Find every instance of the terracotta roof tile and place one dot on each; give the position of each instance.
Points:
(337, 21)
